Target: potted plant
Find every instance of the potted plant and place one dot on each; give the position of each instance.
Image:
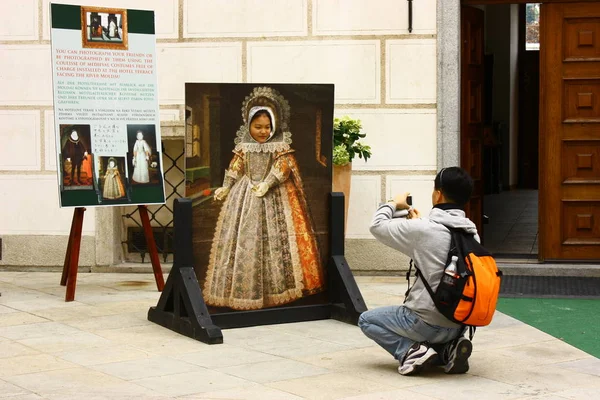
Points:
(346, 146)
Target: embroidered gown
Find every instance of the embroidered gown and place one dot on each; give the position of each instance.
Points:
(141, 153)
(264, 252)
(113, 186)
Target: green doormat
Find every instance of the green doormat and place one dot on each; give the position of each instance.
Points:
(576, 322)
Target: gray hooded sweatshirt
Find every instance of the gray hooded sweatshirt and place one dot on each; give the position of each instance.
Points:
(427, 242)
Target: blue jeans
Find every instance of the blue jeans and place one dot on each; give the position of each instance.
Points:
(397, 328)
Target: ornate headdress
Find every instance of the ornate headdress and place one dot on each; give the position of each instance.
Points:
(270, 100)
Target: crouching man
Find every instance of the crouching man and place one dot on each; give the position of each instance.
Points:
(416, 333)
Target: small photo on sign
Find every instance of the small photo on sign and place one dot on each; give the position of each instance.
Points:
(104, 27)
(112, 177)
(76, 157)
(143, 158)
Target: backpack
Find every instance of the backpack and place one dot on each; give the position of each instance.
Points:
(469, 296)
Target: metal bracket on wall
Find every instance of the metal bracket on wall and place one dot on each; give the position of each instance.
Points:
(410, 16)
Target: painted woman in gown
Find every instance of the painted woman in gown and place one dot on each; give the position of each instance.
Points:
(264, 251)
(113, 184)
(112, 29)
(141, 155)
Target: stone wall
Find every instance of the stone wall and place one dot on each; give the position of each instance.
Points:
(384, 75)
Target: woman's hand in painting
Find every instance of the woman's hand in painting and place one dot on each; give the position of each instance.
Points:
(261, 189)
(221, 193)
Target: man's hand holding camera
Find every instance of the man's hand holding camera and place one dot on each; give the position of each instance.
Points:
(400, 202)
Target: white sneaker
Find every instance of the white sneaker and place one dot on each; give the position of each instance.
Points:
(418, 357)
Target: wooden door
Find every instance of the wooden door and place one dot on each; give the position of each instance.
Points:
(471, 100)
(570, 131)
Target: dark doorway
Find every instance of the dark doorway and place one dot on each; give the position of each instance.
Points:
(510, 110)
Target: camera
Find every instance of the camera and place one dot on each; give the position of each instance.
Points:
(403, 213)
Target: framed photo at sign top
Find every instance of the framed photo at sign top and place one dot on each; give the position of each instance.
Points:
(259, 174)
(106, 112)
(104, 28)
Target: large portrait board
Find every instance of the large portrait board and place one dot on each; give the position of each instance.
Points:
(259, 176)
(106, 113)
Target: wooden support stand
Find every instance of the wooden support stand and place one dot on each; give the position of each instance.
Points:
(158, 275)
(182, 309)
(71, 265)
(181, 306)
(69, 274)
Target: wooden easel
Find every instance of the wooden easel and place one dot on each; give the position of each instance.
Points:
(69, 274)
